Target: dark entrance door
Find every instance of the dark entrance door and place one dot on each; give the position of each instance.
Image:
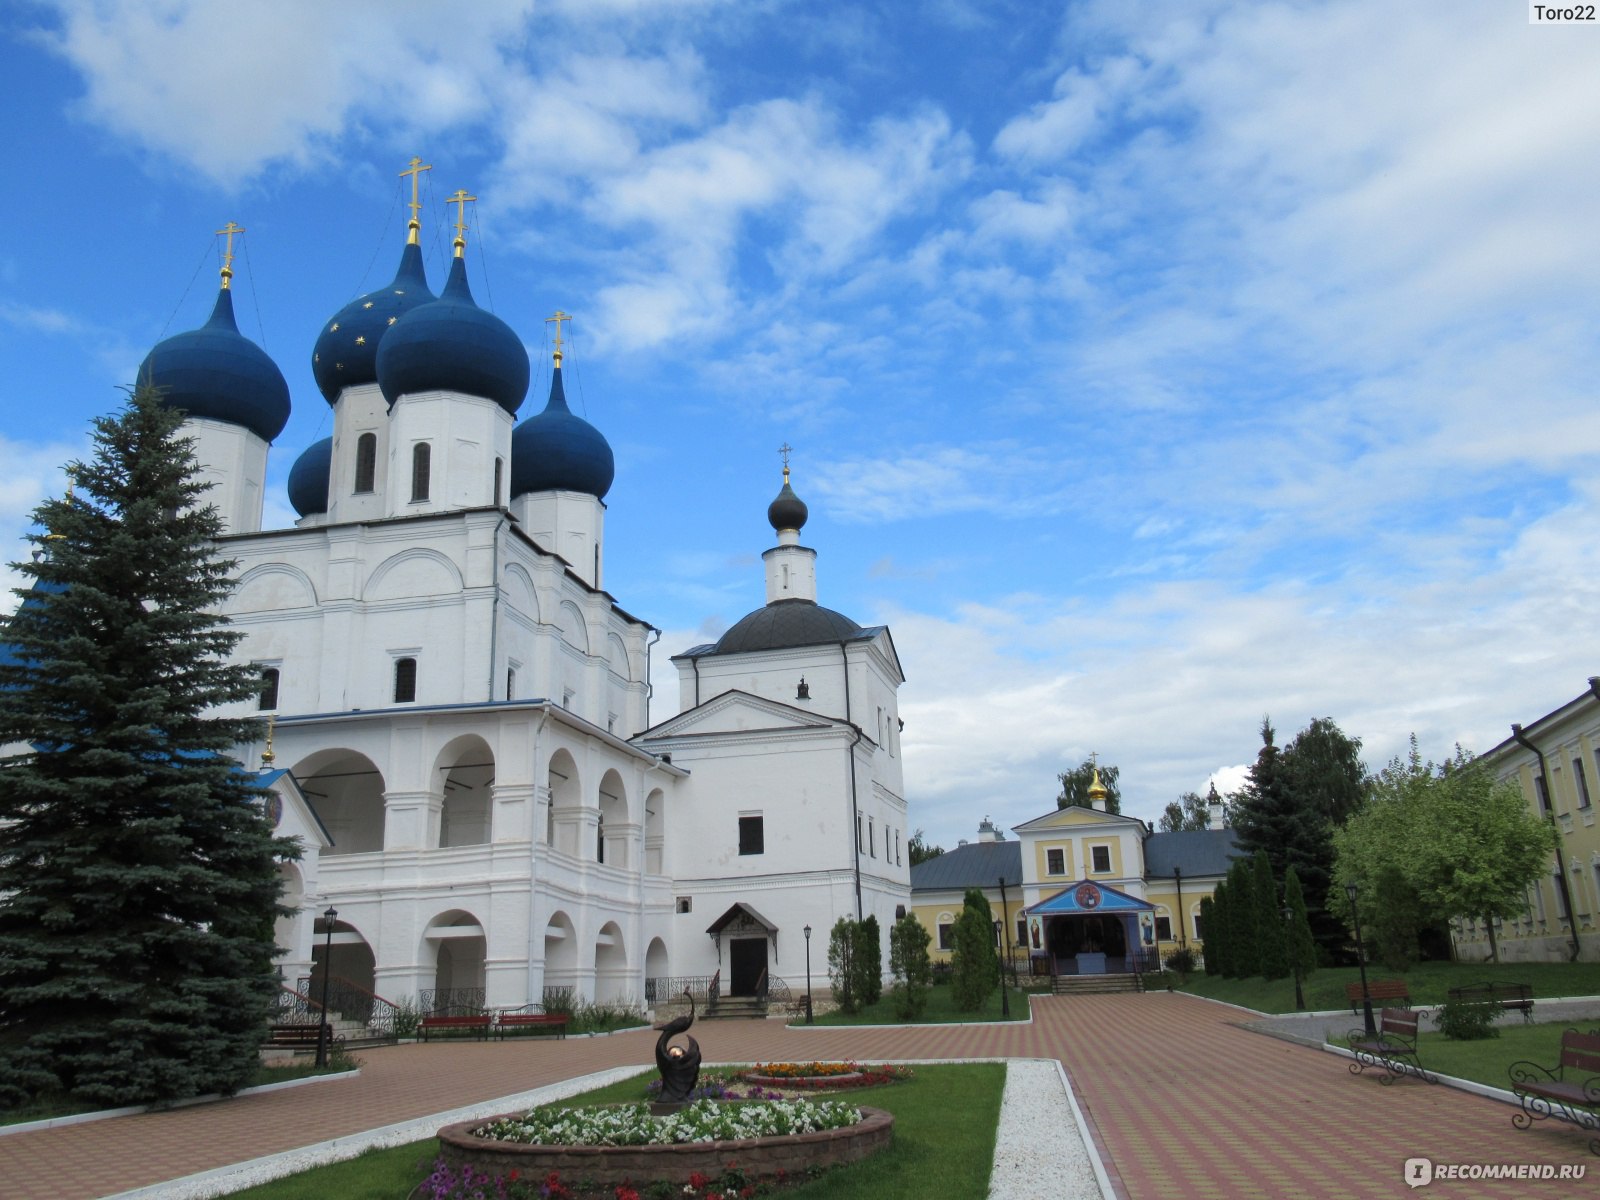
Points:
(747, 962)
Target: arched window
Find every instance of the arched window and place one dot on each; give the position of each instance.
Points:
(405, 680)
(421, 459)
(366, 462)
(269, 689)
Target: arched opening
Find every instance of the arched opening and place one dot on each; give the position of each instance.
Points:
(459, 950)
(560, 955)
(366, 462)
(346, 791)
(348, 965)
(611, 839)
(654, 826)
(657, 972)
(285, 930)
(563, 818)
(611, 966)
(467, 768)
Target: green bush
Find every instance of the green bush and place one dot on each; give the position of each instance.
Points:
(841, 965)
(1182, 961)
(1468, 1020)
(909, 967)
(977, 966)
(868, 961)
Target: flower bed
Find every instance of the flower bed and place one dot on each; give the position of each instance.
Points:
(722, 1133)
(822, 1076)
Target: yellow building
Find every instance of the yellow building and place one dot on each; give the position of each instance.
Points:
(1081, 890)
(1555, 760)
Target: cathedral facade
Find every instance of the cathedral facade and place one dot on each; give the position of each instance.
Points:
(456, 714)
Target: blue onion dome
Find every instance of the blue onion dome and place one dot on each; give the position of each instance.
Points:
(452, 345)
(788, 511)
(218, 373)
(308, 478)
(557, 451)
(347, 348)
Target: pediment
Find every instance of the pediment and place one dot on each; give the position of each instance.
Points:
(736, 712)
(1077, 819)
(295, 816)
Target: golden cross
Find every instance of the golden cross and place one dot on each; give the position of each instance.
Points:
(783, 452)
(227, 255)
(415, 225)
(461, 198)
(558, 318)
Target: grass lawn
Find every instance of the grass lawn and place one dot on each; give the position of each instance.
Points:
(945, 1123)
(1429, 983)
(941, 1010)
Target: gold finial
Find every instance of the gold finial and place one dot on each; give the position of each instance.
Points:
(783, 452)
(267, 756)
(461, 198)
(1097, 790)
(227, 254)
(414, 226)
(558, 318)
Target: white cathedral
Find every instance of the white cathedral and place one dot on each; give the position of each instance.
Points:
(460, 731)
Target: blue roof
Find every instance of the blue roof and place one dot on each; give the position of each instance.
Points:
(346, 353)
(216, 372)
(452, 345)
(308, 478)
(1086, 897)
(558, 451)
(1192, 851)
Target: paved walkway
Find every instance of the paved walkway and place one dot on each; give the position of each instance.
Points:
(1181, 1100)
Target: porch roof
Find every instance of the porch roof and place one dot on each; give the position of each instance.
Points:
(741, 909)
(1085, 897)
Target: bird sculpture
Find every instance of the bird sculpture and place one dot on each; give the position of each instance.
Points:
(679, 1064)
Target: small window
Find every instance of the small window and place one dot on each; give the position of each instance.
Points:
(685, 904)
(511, 682)
(1199, 929)
(897, 861)
(366, 462)
(269, 689)
(600, 839)
(421, 462)
(567, 697)
(1022, 931)
(858, 834)
(1583, 782)
(1055, 862)
(499, 473)
(405, 680)
(872, 840)
(1542, 792)
(1163, 929)
(899, 912)
(1100, 858)
(945, 929)
(752, 835)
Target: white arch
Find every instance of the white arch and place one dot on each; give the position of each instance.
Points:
(345, 789)
(272, 587)
(560, 953)
(611, 966)
(417, 571)
(464, 770)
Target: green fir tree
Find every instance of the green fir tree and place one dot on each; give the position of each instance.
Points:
(138, 873)
(1272, 955)
(975, 964)
(1301, 947)
(910, 970)
(867, 961)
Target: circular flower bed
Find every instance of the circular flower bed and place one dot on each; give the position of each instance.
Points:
(702, 1121)
(822, 1076)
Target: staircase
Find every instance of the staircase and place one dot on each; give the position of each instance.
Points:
(736, 1007)
(1089, 985)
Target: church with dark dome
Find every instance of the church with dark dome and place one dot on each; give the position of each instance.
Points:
(456, 715)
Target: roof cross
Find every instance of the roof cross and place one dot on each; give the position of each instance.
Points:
(227, 254)
(461, 198)
(558, 318)
(414, 226)
(784, 452)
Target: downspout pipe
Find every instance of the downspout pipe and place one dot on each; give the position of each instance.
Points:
(855, 804)
(1561, 861)
(649, 681)
(1177, 882)
(494, 607)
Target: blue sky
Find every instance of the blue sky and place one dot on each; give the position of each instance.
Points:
(1149, 368)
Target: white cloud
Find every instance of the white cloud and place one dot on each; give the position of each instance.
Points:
(29, 474)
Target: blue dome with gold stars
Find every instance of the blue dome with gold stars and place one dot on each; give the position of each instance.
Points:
(558, 451)
(346, 353)
(452, 345)
(218, 373)
(308, 478)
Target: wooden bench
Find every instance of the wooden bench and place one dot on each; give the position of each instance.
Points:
(295, 1037)
(1393, 1047)
(525, 1021)
(1379, 989)
(475, 1026)
(1506, 995)
(1570, 1090)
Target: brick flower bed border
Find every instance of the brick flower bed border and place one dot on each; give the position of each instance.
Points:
(811, 1083)
(606, 1165)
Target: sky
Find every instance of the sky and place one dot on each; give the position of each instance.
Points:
(1149, 369)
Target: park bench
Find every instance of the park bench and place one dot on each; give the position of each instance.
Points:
(530, 1019)
(1569, 1090)
(1506, 995)
(1378, 989)
(473, 1026)
(1393, 1047)
(294, 1037)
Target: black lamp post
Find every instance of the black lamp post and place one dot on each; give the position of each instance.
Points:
(807, 932)
(1294, 959)
(1000, 970)
(1350, 890)
(324, 1033)
(1005, 919)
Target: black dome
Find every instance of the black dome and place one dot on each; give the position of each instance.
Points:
(788, 511)
(785, 623)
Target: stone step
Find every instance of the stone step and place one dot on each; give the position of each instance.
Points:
(1068, 985)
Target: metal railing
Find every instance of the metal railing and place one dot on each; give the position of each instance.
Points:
(452, 1002)
(353, 1002)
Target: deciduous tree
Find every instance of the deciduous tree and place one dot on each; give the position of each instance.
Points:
(1075, 785)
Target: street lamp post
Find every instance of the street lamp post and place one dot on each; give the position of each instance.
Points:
(1294, 960)
(1000, 970)
(1005, 919)
(324, 1032)
(1350, 890)
(807, 932)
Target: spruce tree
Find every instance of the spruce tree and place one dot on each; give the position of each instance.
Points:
(1272, 956)
(138, 874)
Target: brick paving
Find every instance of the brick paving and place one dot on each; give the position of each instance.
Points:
(1181, 1101)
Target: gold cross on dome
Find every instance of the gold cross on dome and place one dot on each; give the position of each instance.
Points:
(228, 230)
(461, 198)
(558, 318)
(784, 452)
(415, 170)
